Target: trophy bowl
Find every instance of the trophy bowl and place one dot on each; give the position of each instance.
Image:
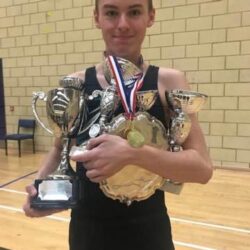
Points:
(146, 99)
(65, 113)
(188, 101)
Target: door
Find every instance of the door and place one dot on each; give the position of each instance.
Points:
(2, 106)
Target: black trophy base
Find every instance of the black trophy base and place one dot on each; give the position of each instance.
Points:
(56, 194)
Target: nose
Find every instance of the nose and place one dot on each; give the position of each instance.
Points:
(123, 22)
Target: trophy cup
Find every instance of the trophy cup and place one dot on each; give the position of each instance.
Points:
(181, 103)
(66, 113)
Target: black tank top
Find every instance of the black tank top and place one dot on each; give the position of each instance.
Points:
(93, 201)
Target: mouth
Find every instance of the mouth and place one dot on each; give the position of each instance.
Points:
(122, 38)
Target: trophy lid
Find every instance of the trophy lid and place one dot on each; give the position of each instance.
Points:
(71, 82)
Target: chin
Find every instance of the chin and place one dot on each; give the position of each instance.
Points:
(120, 51)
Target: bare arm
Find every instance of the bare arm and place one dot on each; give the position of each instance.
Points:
(190, 165)
(108, 153)
(193, 163)
(51, 161)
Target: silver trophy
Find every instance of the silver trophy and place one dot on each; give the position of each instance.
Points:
(108, 104)
(66, 114)
(181, 103)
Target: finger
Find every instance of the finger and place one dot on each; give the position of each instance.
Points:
(81, 155)
(89, 145)
(88, 165)
(94, 142)
(31, 190)
(94, 175)
(47, 212)
(32, 212)
(98, 179)
(36, 213)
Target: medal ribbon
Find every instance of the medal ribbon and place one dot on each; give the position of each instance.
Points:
(127, 91)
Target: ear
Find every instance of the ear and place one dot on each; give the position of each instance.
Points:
(151, 16)
(96, 17)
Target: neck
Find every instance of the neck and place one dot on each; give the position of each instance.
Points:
(138, 60)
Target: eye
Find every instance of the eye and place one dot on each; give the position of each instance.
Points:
(135, 12)
(111, 13)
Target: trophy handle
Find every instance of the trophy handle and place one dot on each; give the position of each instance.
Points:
(42, 96)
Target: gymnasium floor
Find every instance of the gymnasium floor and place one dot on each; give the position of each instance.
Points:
(205, 217)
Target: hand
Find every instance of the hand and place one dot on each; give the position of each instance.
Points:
(31, 212)
(105, 156)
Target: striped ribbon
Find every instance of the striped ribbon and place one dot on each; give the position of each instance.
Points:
(127, 90)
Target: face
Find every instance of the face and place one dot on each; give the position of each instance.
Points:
(123, 24)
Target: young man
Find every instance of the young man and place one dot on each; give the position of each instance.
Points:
(101, 223)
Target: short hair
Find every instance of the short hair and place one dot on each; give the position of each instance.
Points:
(150, 4)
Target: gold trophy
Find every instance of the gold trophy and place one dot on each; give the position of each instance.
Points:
(66, 114)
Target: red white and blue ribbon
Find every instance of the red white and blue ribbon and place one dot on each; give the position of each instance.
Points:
(126, 90)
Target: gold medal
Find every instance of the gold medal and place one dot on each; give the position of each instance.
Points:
(135, 138)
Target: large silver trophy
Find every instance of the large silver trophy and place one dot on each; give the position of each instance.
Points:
(66, 114)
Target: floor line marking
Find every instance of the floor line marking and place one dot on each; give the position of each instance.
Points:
(52, 217)
(58, 218)
(12, 191)
(174, 219)
(17, 179)
(240, 230)
(193, 246)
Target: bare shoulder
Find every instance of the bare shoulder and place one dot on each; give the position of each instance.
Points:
(171, 79)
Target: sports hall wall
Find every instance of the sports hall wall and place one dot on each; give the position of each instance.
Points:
(43, 40)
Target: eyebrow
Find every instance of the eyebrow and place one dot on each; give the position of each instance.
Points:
(110, 6)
